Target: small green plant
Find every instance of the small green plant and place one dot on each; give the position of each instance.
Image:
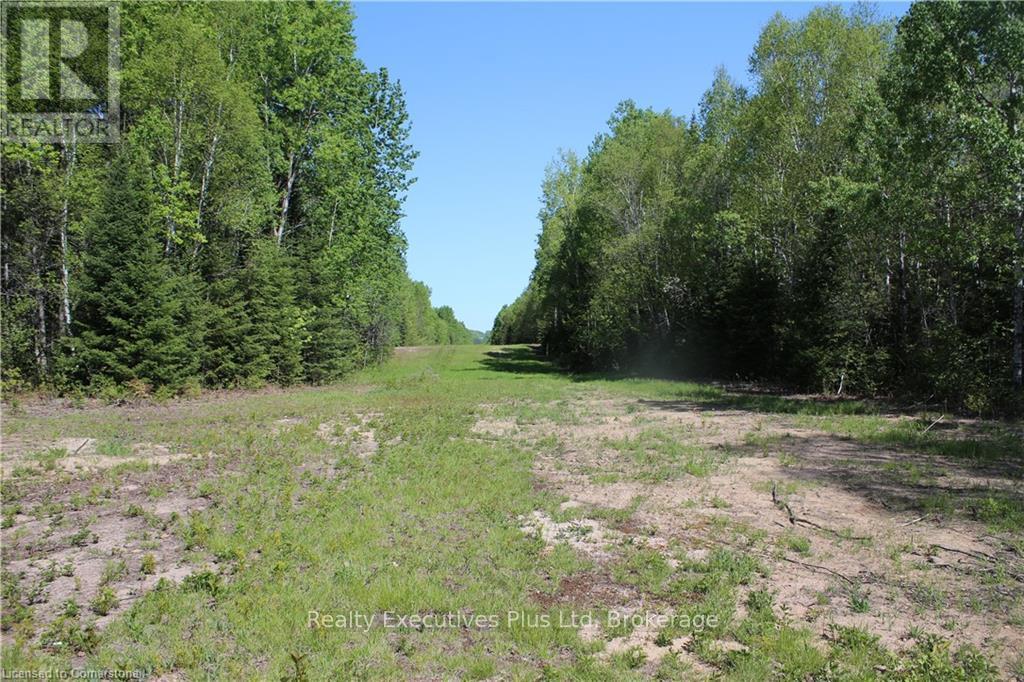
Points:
(482, 669)
(203, 581)
(113, 571)
(48, 459)
(81, 538)
(194, 532)
(931, 658)
(859, 601)
(113, 448)
(71, 608)
(798, 544)
(760, 601)
(148, 565)
(631, 659)
(66, 634)
(104, 602)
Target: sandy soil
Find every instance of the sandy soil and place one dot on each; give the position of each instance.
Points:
(929, 571)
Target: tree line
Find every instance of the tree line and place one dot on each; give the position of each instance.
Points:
(853, 222)
(244, 230)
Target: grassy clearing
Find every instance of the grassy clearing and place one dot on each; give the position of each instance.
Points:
(659, 455)
(299, 517)
(430, 526)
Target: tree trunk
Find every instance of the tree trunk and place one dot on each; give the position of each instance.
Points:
(41, 339)
(204, 184)
(287, 198)
(334, 214)
(65, 278)
(1018, 295)
(179, 122)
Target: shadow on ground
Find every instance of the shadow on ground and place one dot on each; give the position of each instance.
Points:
(902, 464)
(520, 360)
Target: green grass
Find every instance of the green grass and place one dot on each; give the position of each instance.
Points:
(48, 459)
(660, 454)
(429, 524)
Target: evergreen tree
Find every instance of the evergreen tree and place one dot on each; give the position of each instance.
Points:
(130, 321)
(277, 324)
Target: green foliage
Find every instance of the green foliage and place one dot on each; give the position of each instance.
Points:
(852, 224)
(277, 324)
(104, 602)
(932, 659)
(206, 582)
(67, 634)
(129, 326)
(244, 230)
(423, 325)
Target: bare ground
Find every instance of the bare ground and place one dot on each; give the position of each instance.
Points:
(75, 531)
(841, 539)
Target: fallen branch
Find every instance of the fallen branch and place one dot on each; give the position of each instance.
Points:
(941, 416)
(838, 534)
(818, 568)
(973, 555)
(780, 504)
(988, 571)
(912, 522)
(794, 519)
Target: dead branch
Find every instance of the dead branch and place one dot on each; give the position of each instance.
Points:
(819, 568)
(794, 519)
(941, 416)
(973, 555)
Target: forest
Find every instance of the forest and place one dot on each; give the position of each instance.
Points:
(244, 230)
(755, 416)
(851, 223)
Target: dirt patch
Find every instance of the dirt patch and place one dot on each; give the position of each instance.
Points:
(360, 436)
(412, 350)
(585, 535)
(81, 455)
(88, 542)
(642, 643)
(845, 541)
(284, 424)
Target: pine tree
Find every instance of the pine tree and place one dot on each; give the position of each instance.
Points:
(277, 325)
(230, 353)
(130, 320)
(330, 346)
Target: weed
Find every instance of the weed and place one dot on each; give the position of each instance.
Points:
(113, 570)
(206, 582)
(67, 634)
(796, 543)
(859, 601)
(48, 459)
(104, 602)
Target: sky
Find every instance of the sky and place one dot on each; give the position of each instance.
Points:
(494, 90)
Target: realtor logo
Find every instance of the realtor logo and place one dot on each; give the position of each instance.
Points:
(60, 67)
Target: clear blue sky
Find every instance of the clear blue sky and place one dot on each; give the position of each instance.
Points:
(494, 90)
